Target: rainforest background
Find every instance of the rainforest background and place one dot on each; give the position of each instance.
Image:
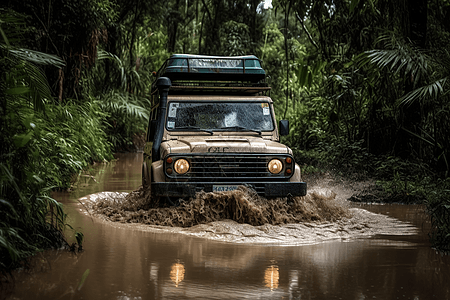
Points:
(364, 84)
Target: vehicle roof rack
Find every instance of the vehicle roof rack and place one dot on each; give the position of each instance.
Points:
(212, 68)
(190, 87)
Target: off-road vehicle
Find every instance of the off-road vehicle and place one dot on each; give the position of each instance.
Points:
(212, 127)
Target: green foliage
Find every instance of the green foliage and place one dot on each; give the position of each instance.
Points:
(52, 28)
(405, 189)
(45, 149)
(70, 138)
(41, 145)
(127, 115)
(438, 207)
(237, 22)
(421, 103)
(122, 90)
(152, 51)
(236, 37)
(308, 121)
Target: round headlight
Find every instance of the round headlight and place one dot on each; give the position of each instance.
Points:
(275, 166)
(181, 166)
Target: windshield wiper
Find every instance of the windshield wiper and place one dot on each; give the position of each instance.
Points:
(240, 128)
(195, 128)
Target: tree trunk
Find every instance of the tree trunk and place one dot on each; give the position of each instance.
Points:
(411, 113)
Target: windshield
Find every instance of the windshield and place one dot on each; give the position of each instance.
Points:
(220, 116)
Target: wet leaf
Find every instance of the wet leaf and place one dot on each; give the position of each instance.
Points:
(38, 179)
(19, 90)
(353, 5)
(20, 140)
(83, 279)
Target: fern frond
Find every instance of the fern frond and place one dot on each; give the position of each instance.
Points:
(430, 91)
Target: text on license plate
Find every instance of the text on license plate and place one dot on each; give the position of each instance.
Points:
(224, 188)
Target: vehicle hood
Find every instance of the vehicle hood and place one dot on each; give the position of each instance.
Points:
(222, 144)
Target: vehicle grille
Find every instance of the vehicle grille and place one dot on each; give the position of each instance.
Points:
(236, 168)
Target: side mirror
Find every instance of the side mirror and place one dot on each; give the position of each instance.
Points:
(284, 127)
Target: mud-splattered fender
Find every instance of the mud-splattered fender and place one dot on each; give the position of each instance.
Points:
(158, 171)
(297, 177)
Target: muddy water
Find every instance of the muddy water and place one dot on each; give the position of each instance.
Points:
(380, 252)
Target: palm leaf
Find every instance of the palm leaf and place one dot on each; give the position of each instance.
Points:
(399, 57)
(430, 91)
(37, 57)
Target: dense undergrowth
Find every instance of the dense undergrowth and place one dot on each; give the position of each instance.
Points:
(40, 152)
(46, 149)
(46, 142)
(127, 116)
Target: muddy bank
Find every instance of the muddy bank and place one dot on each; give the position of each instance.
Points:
(243, 217)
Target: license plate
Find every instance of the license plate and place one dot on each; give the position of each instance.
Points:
(224, 188)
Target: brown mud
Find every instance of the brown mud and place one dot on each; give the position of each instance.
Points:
(242, 216)
(241, 206)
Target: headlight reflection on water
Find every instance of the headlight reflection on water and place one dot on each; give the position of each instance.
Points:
(177, 273)
(272, 277)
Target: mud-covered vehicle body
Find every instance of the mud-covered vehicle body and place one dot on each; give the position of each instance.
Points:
(212, 128)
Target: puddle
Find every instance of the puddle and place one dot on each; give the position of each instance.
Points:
(355, 255)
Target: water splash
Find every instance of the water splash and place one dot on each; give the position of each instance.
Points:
(241, 206)
(242, 216)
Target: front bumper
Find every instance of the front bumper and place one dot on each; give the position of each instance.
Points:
(265, 189)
